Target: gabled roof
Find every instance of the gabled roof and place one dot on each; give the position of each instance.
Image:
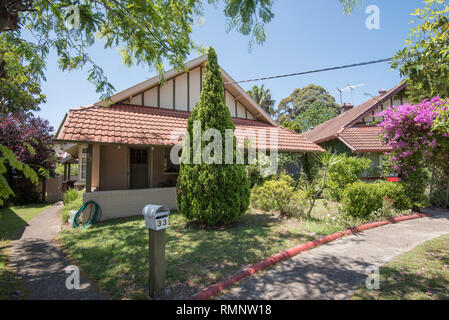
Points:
(363, 139)
(142, 125)
(330, 129)
(258, 112)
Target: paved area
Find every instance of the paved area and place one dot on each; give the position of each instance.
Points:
(336, 270)
(41, 264)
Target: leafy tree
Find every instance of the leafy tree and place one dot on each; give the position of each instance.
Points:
(315, 115)
(148, 32)
(349, 5)
(30, 141)
(292, 125)
(212, 193)
(263, 97)
(301, 99)
(425, 58)
(19, 84)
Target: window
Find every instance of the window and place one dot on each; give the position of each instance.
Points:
(83, 167)
(169, 166)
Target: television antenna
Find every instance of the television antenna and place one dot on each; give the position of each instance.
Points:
(347, 88)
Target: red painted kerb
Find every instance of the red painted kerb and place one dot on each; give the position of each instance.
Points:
(216, 288)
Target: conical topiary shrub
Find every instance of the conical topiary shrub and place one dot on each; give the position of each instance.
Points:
(211, 193)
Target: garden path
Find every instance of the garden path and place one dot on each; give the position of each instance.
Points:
(40, 263)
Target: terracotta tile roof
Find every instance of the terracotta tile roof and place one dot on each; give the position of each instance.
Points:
(329, 129)
(139, 125)
(363, 139)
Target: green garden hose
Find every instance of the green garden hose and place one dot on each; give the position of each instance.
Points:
(94, 214)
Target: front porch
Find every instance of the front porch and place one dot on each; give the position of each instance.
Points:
(122, 179)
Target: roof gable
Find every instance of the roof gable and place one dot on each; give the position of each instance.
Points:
(330, 129)
(234, 94)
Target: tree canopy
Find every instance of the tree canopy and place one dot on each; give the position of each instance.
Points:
(301, 99)
(147, 32)
(425, 58)
(263, 97)
(26, 151)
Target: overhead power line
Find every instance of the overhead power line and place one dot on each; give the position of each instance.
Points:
(314, 71)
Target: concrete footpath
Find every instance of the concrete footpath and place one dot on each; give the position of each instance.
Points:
(40, 263)
(337, 269)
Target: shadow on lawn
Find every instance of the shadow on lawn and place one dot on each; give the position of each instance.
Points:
(196, 256)
(398, 285)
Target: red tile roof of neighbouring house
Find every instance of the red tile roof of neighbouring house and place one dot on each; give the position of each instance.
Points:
(142, 125)
(329, 130)
(363, 139)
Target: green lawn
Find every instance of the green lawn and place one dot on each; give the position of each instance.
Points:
(115, 253)
(12, 220)
(420, 274)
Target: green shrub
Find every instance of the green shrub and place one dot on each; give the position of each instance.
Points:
(362, 199)
(396, 192)
(73, 200)
(211, 193)
(273, 195)
(278, 195)
(70, 195)
(343, 173)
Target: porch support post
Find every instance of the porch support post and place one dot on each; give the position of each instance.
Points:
(69, 171)
(65, 172)
(89, 169)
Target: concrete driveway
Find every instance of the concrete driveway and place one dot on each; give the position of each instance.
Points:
(337, 269)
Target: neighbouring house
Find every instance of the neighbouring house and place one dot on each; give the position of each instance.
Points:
(355, 130)
(123, 149)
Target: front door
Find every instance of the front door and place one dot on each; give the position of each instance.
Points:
(138, 163)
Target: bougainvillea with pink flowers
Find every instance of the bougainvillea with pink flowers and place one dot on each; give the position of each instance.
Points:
(419, 139)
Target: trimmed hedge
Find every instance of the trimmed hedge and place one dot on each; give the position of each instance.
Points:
(361, 199)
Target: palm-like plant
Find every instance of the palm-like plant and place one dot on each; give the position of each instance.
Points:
(263, 97)
(311, 191)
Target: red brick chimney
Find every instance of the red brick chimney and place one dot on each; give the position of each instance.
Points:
(346, 107)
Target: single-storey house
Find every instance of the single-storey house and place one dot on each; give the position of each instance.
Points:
(123, 149)
(355, 130)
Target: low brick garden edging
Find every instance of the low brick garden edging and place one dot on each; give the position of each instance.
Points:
(264, 264)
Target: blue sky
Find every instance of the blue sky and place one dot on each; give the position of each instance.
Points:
(303, 35)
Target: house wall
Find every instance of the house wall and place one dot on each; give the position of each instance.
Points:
(183, 92)
(397, 100)
(127, 203)
(113, 167)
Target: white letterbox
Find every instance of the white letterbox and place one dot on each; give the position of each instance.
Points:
(156, 217)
